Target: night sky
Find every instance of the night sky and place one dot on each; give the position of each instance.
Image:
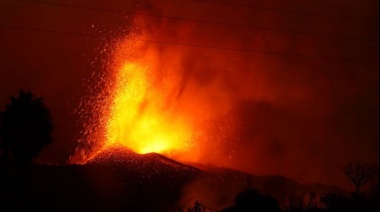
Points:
(291, 86)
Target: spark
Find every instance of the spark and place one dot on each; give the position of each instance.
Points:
(133, 106)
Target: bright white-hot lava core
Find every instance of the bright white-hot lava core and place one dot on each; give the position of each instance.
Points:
(152, 97)
(140, 105)
(143, 117)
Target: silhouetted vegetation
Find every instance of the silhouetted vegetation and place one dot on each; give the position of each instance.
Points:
(252, 200)
(297, 201)
(335, 202)
(197, 207)
(359, 174)
(26, 128)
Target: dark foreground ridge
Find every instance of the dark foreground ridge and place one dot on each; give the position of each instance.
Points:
(120, 180)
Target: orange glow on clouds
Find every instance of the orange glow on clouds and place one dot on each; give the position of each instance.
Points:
(143, 109)
(150, 97)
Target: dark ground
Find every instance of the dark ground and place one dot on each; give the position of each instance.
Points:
(124, 181)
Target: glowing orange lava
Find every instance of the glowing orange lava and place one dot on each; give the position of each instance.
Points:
(144, 117)
(151, 97)
(139, 119)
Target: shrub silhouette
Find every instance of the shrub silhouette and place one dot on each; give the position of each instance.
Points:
(26, 127)
(359, 174)
(252, 200)
(336, 202)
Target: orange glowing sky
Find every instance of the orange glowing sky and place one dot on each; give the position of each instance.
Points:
(237, 109)
(233, 94)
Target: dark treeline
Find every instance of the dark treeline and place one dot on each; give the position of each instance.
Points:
(361, 175)
(252, 200)
(25, 129)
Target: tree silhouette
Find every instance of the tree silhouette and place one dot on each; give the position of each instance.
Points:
(196, 208)
(358, 173)
(336, 202)
(26, 127)
(311, 201)
(374, 169)
(252, 200)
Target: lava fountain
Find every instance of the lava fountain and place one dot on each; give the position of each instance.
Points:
(153, 97)
(138, 106)
(143, 114)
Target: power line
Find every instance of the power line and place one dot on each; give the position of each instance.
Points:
(287, 10)
(256, 27)
(72, 6)
(200, 21)
(261, 52)
(48, 30)
(197, 45)
(230, 4)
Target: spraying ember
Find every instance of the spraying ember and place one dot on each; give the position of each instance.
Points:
(142, 104)
(144, 115)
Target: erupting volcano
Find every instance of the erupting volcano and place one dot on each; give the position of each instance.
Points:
(150, 97)
(157, 105)
(142, 105)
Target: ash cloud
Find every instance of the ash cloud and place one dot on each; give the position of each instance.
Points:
(271, 111)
